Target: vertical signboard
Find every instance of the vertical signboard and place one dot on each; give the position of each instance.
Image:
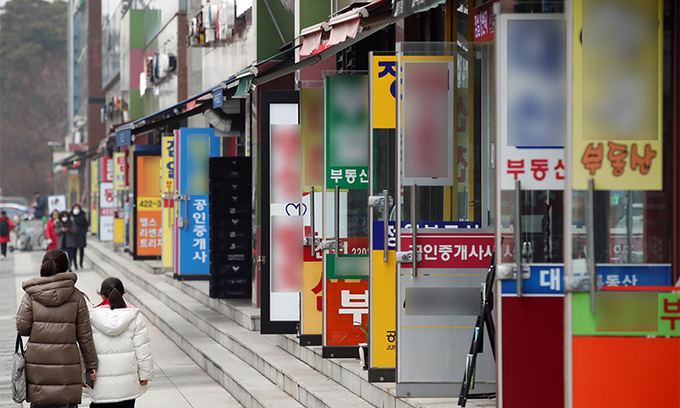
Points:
(107, 211)
(148, 221)
(312, 118)
(282, 212)
(94, 188)
(230, 228)
(531, 137)
(382, 278)
(119, 176)
(532, 129)
(617, 100)
(346, 267)
(196, 146)
(168, 188)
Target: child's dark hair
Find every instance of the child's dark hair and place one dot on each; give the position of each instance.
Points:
(113, 290)
(55, 261)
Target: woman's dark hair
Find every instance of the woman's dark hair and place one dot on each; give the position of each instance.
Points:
(65, 214)
(76, 205)
(113, 290)
(55, 211)
(55, 261)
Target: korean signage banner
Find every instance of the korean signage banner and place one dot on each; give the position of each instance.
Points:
(94, 188)
(196, 146)
(107, 211)
(485, 22)
(168, 188)
(107, 170)
(148, 205)
(119, 171)
(347, 131)
(617, 98)
(532, 96)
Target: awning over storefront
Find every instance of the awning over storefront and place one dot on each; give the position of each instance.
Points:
(72, 161)
(402, 8)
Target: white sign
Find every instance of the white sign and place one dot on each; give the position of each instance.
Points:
(107, 212)
(56, 202)
(532, 101)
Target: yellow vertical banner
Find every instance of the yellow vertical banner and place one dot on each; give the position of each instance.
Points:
(167, 187)
(94, 188)
(618, 73)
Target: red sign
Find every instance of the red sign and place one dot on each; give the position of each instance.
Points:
(107, 211)
(485, 22)
(457, 251)
(107, 166)
(347, 310)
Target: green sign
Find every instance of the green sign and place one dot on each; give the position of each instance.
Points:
(347, 131)
(638, 314)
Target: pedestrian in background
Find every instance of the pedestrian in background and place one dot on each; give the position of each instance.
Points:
(121, 339)
(54, 316)
(66, 236)
(40, 206)
(6, 225)
(50, 233)
(82, 224)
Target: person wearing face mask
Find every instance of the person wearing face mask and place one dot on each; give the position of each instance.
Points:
(82, 224)
(50, 233)
(66, 236)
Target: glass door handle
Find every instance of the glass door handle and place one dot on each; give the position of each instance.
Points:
(590, 243)
(383, 203)
(312, 228)
(337, 220)
(518, 235)
(414, 228)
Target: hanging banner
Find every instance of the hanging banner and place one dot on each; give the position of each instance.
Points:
(107, 211)
(168, 188)
(195, 148)
(148, 239)
(107, 170)
(119, 171)
(617, 106)
(347, 131)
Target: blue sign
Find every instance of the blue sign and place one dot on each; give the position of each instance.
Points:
(634, 275)
(196, 146)
(124, 137)
(218, 98)
(378, 229)
(544, 279)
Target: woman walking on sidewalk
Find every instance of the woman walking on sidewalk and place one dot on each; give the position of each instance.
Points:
(82, 224)
(54, 315)
(122, 342)
(66, 236)
(5, 227)
(50, 233)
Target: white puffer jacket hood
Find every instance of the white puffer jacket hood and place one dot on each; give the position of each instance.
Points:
(121, 339)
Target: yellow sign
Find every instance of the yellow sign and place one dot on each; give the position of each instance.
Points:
(119, 230)
(312, 296)
(119, 169)
(618, 73)
(94, 187)
(384, 319)
(149, 203)
(168, 187)
(384, 89)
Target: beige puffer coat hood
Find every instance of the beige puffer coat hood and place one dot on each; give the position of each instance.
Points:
(53, 313)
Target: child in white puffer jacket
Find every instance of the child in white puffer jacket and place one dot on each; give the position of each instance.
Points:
(121, 340)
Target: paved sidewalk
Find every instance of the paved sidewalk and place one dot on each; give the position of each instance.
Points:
(178, 382)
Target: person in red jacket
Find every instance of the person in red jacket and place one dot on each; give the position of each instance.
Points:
(6, 226)
(50, 234)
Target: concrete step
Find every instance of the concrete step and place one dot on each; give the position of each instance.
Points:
(247, 385)
(240, 311)
(310, 387)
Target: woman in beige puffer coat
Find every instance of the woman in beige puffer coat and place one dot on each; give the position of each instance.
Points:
(54, 315)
